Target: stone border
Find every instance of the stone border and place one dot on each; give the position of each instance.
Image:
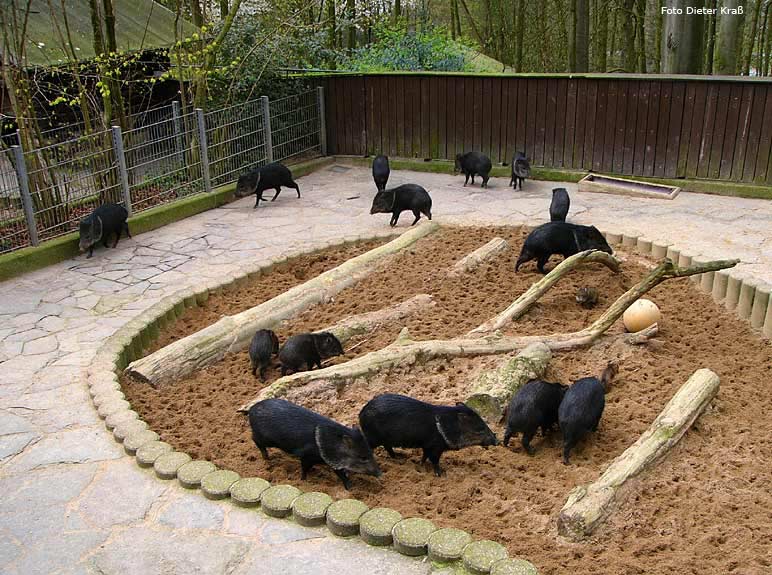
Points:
(380, 527)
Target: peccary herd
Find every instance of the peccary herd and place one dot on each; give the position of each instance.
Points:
(300, 352)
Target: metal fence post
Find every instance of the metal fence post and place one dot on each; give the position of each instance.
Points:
(26, 198)
(202, 146)
(177, 126)
(267, 129)
(322, 121)
(123, 173)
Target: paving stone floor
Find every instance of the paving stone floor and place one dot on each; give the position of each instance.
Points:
(72, 502)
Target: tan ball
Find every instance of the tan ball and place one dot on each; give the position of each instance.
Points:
(641, 315)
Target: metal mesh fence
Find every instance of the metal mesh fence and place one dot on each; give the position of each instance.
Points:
(295, 125)
(163, 157)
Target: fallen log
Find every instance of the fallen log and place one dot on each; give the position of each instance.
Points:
(493, 389)
(232, 333)
(405, 351)
(481, 254)
(538, 289)
(589, 505)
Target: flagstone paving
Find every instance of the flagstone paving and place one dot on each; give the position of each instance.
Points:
(73, 503)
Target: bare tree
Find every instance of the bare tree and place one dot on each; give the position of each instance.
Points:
(728, 39)
(682, 38)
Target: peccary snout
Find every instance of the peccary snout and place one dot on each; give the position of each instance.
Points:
(308, 349)
(311, 437)
(394, 420)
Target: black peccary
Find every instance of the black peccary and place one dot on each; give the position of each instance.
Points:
(309, 349)
(559, 205)
(587, 297)
(381, 172)
(582, 407)
(534, 405)
(400, 421)
(473, 164)
(270, 176)
(521, 170)
(107, 219)
(264, 344)
(407, 197)
(560, 238)
(311, 437)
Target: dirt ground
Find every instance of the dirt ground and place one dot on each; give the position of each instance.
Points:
(705, 509)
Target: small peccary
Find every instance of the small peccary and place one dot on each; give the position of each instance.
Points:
(560, 204)
(381, 172)
(534, 405)
(312, 438)
(560, 238)
(264, 344)
(270, 176)
(582, 407)
(399, 421)
(107, 219)
(587, 297)
(521, 170)
(473, 164)
(308, 349)
(407, 197)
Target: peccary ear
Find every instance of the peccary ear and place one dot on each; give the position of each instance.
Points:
(334, 445)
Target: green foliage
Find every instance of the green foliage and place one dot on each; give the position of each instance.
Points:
(397, 48)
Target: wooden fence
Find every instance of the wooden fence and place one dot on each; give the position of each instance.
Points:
(671, 127)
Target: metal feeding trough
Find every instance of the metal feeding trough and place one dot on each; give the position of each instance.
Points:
(609, 185)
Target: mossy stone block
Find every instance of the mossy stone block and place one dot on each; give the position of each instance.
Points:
(411, 536)
(310, 509)
(448, 544)
(277, 500)
(376, 526)
(107, 395)
(112, 406)
(217, 484)
(190, 474)
(136, 440)
(343, 517)
(480, 556)
(148, 453)
(248, 491)
(513, 567)
(167, 465)
(120, 417)
(123, 430)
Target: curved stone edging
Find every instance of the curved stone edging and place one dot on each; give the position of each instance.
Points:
(128, 343)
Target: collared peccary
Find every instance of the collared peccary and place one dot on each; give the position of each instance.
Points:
(559, 205)
(381, 172)
(400, 421)
(534, 405)
(107, 219)
(560, 238)
(309, 349)
(474, 164)
(521, 170)
(270, 176)
(587, 297)
(407, 197)
(311, 437)
(263, 345)
(582, 407)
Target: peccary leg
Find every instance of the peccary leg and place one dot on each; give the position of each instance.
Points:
(90, 252)
(104, 241)
(434, 457)
(263, 366)
(254, 369)
(507, 436)
(263, 452)
(428, 214)
(541, 262)
(394, 219)
(568, 444)
(417, 215)
(526, 441)
(513, 180)
(258, 197)
(473, 179)
(305, 467)
(392, 453)
(485, 181)
(344, 478)
(276, 195)
(126, 229)
(466, 179)
(294, 185)
(117, 237)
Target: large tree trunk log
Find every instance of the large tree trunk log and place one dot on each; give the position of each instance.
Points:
(589, 505)
(404, 351)
(364, 323)
(537, 290)
(232, 333)
(493, 389)
(481, 254)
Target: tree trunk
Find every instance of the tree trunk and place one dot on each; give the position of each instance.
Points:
(195, 12)
(480, 255)
(224, 10)
(111, 47)
(351, 31)
(658, 37)
(572, 5)
(519, 36)
(589, 505)
(682, 39)
(477, 34)
(397, 10)
(640, 34)
(232, 333)
(602, 39)
(711, 39)
(728, 41)
(493, 390)
(762, 41)
(582, 36)
(331, 27)
(628, 35)
(751, 38)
